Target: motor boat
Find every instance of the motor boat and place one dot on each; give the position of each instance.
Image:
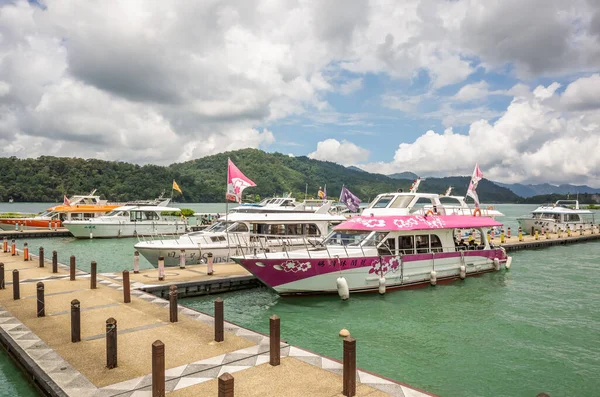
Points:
(81, 207)
(130, 221)
(558, 216)
(380, 252)
(241, 232)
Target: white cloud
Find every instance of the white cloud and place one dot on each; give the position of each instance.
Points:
(351, 86)
(583, 94)
(532, 141)
(344, 152)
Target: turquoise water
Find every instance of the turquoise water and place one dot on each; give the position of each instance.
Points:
(534, 328)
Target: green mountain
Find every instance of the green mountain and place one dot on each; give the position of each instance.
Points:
(404, 175)
(47, 179)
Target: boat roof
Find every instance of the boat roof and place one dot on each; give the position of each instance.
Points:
(280, 217)
(416, 222)
(146, 208)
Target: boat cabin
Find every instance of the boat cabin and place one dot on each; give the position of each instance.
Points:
(402, 203)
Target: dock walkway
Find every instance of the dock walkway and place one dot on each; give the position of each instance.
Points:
(35, 233)
(548, 240)
(194, 361)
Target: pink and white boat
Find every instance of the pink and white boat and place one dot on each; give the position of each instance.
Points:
(379, 253)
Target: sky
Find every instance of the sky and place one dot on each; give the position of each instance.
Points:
(427, 86)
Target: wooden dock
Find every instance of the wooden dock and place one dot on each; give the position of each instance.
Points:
(35, 233)
(547, 240)
(192, 280)
(193, 362)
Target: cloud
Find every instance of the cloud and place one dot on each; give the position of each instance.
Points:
(351, 86)
(582, 94)
(345, 153)
(533, 140)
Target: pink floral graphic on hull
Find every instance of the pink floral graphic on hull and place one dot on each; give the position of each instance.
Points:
(293, 266)
(384, 267)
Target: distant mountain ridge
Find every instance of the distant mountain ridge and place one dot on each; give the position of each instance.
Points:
(404, 175)
(547, 189)
(47, 179)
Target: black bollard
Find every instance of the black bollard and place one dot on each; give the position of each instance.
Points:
(111, 343)
(75, 321)
(173, 303)
(72, 268)
(41, 257)
(219, 321)
(41, 306)
(54, 262)
(16, 289)
(2, 276)
(93, 273)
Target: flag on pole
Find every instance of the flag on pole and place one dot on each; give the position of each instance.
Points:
(176, 187)
(349, 199)
(477, 176)
(236, 182)
(66, 201)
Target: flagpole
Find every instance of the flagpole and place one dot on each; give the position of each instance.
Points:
(306, 192)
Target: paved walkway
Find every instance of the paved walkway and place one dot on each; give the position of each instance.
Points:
(193, 359)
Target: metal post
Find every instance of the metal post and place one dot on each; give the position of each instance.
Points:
(72, 268)
(349, 366)
(75, 321)
(41, 311)
(136, 262)
(161, 268)
(182, 259)
(274, 339)
(16, 287)
(173, 303)
(209, 264)
(126, 287)
(4, 245)
(25, 252)
(54, 262)
(94, 269)
(2, 276)
(158, 369)
(111, 343)
(219, 321)
(41, 257)
(13, 248)
(226, 385)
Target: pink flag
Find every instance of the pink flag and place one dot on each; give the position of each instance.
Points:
(66, 201)
(236, 182)
(477, 176)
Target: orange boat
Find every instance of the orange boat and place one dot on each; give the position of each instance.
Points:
(79, 207)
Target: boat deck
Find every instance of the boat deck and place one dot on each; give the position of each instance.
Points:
(193, 359)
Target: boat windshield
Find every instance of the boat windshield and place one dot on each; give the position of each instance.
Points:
(113, 213)
(48, 214)
(346, 237)
(219, 227)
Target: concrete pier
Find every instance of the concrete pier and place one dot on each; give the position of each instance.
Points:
(35, 233)
(193, 360)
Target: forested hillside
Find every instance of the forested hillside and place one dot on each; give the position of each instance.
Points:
(47, 179)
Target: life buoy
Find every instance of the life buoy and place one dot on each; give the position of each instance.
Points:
(429, 212)
(477, 212)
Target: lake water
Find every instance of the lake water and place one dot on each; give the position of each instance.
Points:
(534, 328)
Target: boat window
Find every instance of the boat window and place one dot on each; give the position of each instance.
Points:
(382, 202)
(311, 230)
(436, 244)
(450, 200)
(574, 218)
(422, 243)
(238, 227)
(293, 229)
(374, 239)
(88, 215)
(346, 237)
(76, 216)
(406, 244)
(219, 227)
(402, 201)
(387, 247)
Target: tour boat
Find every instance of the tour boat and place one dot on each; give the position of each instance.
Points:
(239, 233)
(377, 253)
(282, 204)
(424, 204)
(79, 207)
(561, 215)
(130, 221)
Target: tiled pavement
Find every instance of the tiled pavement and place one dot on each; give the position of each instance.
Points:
(73, 383)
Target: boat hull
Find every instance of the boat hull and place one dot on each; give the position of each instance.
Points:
(298, 276)
(28, 223)
(83, 229)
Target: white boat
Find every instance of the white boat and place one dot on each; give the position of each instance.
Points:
(379, 253)
(130, 221)
(424, 203)
(561, 215)
(239, 233)
(282, 204)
